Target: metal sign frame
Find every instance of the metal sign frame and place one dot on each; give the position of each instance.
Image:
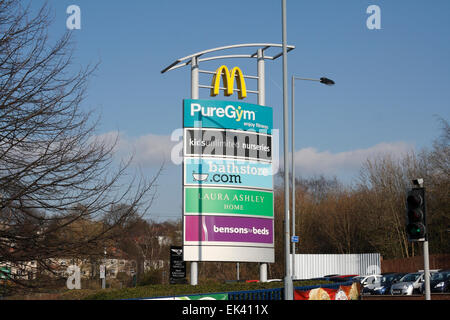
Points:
(194, 60)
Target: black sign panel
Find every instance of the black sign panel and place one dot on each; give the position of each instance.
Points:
(228, 144)
(177, 266)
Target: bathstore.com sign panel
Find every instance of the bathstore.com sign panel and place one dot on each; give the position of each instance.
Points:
(227, 182)
(206, 171)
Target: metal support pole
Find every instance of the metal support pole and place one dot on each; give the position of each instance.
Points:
(426, 262)
(194, 95)
(262, 102)
(194, 78)
(288, 286)
(293, 173)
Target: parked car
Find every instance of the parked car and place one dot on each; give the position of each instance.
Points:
(369, 282)
(386, 282)
(408, 284)
(342, 278)
(439, 282)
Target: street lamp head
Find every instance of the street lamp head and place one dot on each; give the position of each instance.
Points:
(326, 81)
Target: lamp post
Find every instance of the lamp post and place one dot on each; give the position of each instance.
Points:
(288, 285)
(327, 82)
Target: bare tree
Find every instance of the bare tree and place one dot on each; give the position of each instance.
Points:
(54, 172)
(437, 183)
(370, 215)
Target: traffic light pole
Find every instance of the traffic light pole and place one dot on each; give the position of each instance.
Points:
(426, 256)
(426, 269)
(417, 226)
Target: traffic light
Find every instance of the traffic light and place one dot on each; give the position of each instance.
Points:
(415, 215)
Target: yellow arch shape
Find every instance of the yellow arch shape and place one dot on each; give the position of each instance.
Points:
(228, 81)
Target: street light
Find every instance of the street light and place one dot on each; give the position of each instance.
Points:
(327, 82)
(288, 285)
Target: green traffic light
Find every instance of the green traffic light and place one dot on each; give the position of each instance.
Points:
(415, 215)
(416, 230)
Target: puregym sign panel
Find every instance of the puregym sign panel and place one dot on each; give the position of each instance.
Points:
(227, 115)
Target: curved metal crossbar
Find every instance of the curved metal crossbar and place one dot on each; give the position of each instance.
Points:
(181, 62)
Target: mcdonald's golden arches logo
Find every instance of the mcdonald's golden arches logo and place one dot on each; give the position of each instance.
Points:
(228, 81)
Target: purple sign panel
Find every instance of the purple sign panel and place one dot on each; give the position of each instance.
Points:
(228, 229)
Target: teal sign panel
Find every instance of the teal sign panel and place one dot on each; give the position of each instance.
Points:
(227, 115)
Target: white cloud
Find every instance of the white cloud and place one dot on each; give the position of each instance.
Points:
(152, 150)
(148, 150)
(310, 161)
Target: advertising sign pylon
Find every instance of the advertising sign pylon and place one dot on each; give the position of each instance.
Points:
(229, 228)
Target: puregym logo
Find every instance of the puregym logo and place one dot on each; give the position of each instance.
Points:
(230, 111)
(227, 115)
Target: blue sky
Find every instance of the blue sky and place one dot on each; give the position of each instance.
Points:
(390, 83)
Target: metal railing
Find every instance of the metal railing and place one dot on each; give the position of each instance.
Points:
(262, 294)
(278, 293)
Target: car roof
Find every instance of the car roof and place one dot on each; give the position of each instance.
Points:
(418, 272)
(386, 273)
(413, 273)
(443, 271)
(372, 275)
(395, 274)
